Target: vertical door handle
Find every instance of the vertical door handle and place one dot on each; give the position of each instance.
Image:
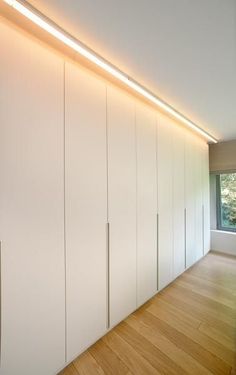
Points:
(185, 237)
(157, 251)
(108, 272)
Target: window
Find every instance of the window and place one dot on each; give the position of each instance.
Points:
(226, 201)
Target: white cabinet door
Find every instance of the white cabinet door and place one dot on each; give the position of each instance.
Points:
(198, 198)
(190, 199)
(178, 199)
(165, 201)
(86, 209)
(31, 207)
(146, 203)
(121, 203)
(206, 198)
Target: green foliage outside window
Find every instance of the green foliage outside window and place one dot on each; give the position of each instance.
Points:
(228, 201)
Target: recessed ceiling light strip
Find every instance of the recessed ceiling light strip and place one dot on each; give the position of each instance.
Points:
(32, 14)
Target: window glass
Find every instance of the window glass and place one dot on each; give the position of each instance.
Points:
(226, 196)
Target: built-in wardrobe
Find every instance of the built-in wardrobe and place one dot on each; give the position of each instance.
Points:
(103, 202)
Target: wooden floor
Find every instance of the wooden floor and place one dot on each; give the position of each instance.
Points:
(188, 328)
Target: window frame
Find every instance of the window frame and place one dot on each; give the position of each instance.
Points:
(219, 205)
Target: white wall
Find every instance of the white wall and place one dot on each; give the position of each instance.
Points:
(222, 156)
(222, 159)
(224, 242)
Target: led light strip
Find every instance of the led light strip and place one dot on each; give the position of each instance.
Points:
(33, 15)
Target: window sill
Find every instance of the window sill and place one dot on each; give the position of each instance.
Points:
(223, 231)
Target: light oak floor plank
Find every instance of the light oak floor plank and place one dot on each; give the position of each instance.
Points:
(187, 328)
(171, 312)
(107, 359)
(86, 364)
(70, 370)
(133, 360)
(211, 272)
(163, 312)
(208, 302)
(194, 343)
(220, 337)
(152, 354)
(211, 288)
(200, 313)
(186, 362)
(198, 301)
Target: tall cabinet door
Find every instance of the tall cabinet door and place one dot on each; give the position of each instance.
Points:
(178, 200)
(121, 204)
(31, 207)
(146, 204)
(206, 198)
(165, 201)
(198, 199)
(86, 208)
(190, 199)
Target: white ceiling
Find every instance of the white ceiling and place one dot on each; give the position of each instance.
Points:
(183, 50)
